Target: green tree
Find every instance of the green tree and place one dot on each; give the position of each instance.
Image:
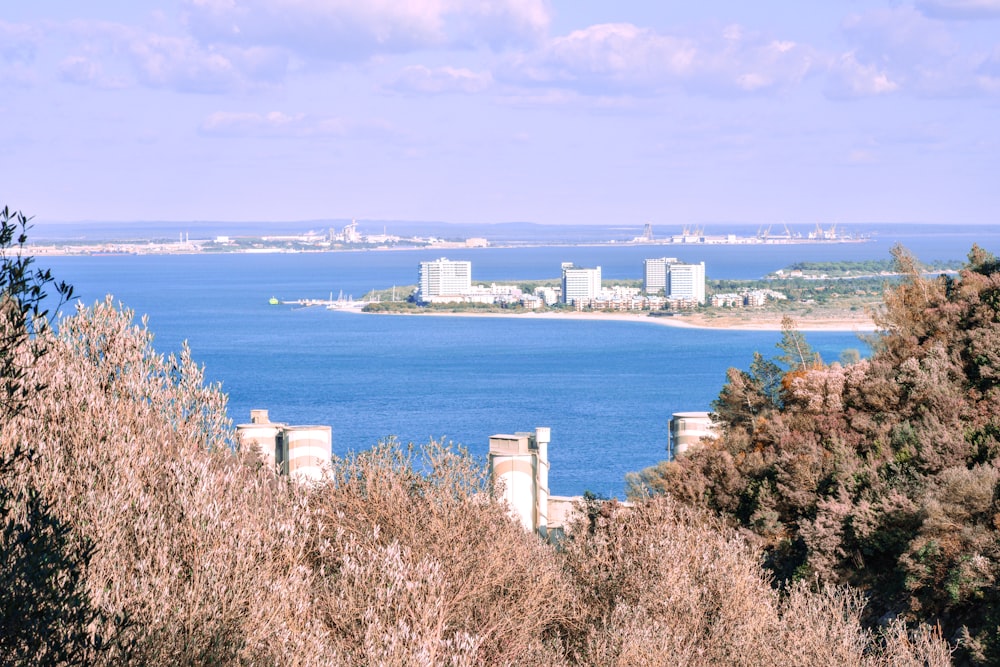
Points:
(22, 311)
(796, 353)
(45, 613)
(46, 617)
(749, 394)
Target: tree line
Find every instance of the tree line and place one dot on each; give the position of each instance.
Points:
(882, 474)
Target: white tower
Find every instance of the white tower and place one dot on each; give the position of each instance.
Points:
(519, 464)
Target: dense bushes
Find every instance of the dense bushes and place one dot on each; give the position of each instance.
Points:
(882, 474)
(205, 557)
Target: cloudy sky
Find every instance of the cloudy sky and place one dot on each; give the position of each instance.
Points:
(560, 111)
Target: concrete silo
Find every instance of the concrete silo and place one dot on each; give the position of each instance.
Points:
(519, 464)
(308, 450)
(300, 451)
(264, 435)
(687, 429)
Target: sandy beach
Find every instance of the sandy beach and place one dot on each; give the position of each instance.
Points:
(748, 322)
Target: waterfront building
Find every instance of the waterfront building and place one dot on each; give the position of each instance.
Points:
(443, 278)
(679, 281)
(580, 285)
(687, 282)
(655, 272)
(547, 294)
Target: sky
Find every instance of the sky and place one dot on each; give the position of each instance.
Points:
(482, 111)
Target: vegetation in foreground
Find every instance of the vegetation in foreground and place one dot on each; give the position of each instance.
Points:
(883, 474)
(134, 530)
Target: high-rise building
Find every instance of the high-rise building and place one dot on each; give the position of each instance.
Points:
(443, 277)
(579, 284)
(676, 279)
(687, 281)
(655, 273)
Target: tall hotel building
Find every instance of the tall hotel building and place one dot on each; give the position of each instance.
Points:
(444, 278)
(677, 280)
(655, 272)
(579, 284)
(687, 281)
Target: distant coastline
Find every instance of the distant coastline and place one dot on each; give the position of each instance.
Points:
(751, 321)
(55, 249)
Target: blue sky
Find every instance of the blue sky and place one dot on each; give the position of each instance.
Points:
(569, 111)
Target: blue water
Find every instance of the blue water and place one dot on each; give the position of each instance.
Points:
(606, 389)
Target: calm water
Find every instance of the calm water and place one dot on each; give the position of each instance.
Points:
(606, 389)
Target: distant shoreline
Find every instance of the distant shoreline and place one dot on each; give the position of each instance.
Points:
(688, 321)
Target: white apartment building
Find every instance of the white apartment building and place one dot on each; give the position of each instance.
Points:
(580, 284)
(687, 281)
(655, 272)
(443, 278)
(678, 281)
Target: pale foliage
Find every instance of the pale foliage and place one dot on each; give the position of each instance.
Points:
(665, 584)
(199, 550)
(393, 559)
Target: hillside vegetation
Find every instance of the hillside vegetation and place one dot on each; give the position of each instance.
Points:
(883, 474)
(134, 529)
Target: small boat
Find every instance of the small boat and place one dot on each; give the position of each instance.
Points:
(273, 301)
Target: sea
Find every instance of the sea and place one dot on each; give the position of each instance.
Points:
(607, 389)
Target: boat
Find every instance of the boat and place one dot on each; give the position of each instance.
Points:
(273, 301)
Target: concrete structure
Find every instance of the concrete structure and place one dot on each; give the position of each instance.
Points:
(519, 464)
(688, 429)
(299, 451)
(562, 511)
(687, 281)
(654, 274)
(443, 278)
(580, 284)
(679, 281)
(307, 450)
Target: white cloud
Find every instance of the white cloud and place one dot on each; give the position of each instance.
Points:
(960, 9)
(245, 123)
(900, 49)
(78, 69)
(849, 78)
(280, 124)
(623, 57)
(426, 81)
(179, 63)
(901, 34)
(116, 55)
(356, 30)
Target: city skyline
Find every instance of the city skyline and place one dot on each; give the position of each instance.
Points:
(515, 110)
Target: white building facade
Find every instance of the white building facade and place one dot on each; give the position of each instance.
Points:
(443, 278)
(687, 282)
(655, 272)
(580, 284)
(679, 281)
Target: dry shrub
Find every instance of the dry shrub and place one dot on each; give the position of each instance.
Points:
(392, 559)
(428, 560)
(202, 552)
(661, 586)
(663, 583)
